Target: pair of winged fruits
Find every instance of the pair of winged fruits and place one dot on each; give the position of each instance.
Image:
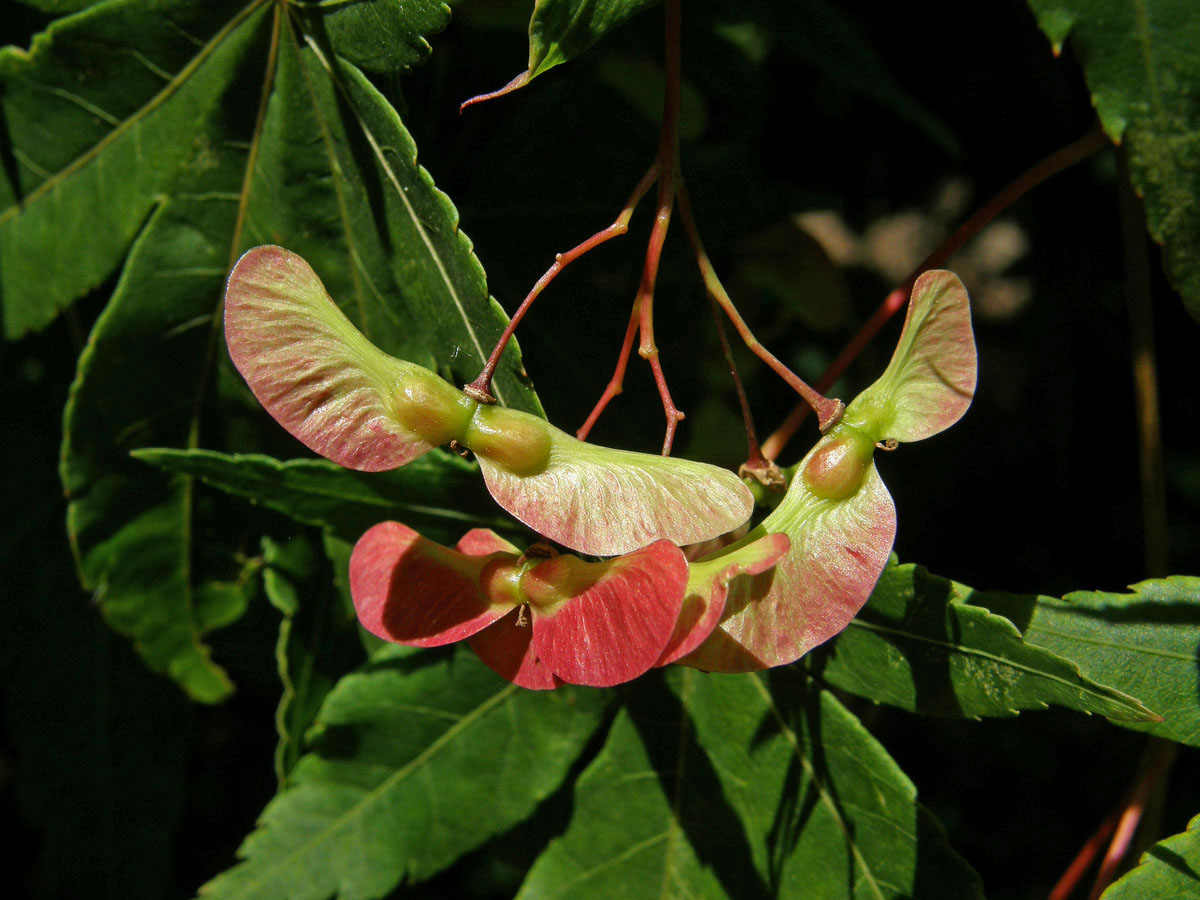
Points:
(659, 592)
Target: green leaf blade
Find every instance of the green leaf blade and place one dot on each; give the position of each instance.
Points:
(560, 30)
(1146, 643)
(106, 114)
(1170, 869)
(1140, 63)
(746, 789)
(438, 493)
(409, 750)
(920, 645)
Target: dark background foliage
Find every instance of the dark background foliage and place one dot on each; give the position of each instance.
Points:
(1035, 491)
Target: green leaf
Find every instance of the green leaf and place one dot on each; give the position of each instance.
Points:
(110, 110)
(338, 183)
(1146, 643)
(920, 645)
(317, 641)
(560, 30)
(438, 494)
(325, 161)
(420, 757)
(746, 790)
(1140, 63)
(1170, 870)
(382, 35)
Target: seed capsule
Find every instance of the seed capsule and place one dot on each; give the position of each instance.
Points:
(836, 469)
(438, 412)
(515, 440)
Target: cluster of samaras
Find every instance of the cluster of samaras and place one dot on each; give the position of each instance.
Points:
(540, 618)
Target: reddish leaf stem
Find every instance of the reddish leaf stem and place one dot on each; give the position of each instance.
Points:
(615, 383)
(480, 388)
(667, 164)
(519, 82)
(1156, 762)
(1066, 884)
(1056, 162)
(828, 410)
(754, 456)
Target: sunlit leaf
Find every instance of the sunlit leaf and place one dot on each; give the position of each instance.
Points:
(1169, 869)
(919, 644)
(408, 752)
(730, 788)
(110, 111)
(1145, 643)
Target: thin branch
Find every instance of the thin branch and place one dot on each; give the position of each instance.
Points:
(1056, 162)
(480, 388)
(1156, 762)
(828, 410)
(615, 383)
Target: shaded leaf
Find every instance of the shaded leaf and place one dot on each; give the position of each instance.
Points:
(382, 35)
(1140, 63)
(735, 793)
(918, 644)
(146, 375)
(1146, 643)
(439, 493)
(82, 110)
(1169, 869)
(408, 751)
(317, 641)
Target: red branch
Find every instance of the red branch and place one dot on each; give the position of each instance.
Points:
(1053, 164)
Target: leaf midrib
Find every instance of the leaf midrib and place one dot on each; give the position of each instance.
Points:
(827, 800)
(125, 125)
(412, 214)
(1097, 691)
(384, 786)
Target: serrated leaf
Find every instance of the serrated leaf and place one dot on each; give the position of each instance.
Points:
(1140, 63)
(736, 792)
(105, 113)
(409, 751)
(439, 493)
(1170, 870)
(317, 641)
(382, 35)
(560, 30)
(920, 645)
(1146, 643)
(339, 183)
(146, 375)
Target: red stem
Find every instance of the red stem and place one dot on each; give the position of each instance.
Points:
(1155, 764)
(480, 388)
(828, 410)
(1051, 165)
(667, 166)
(614, 385)
(754, 456)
